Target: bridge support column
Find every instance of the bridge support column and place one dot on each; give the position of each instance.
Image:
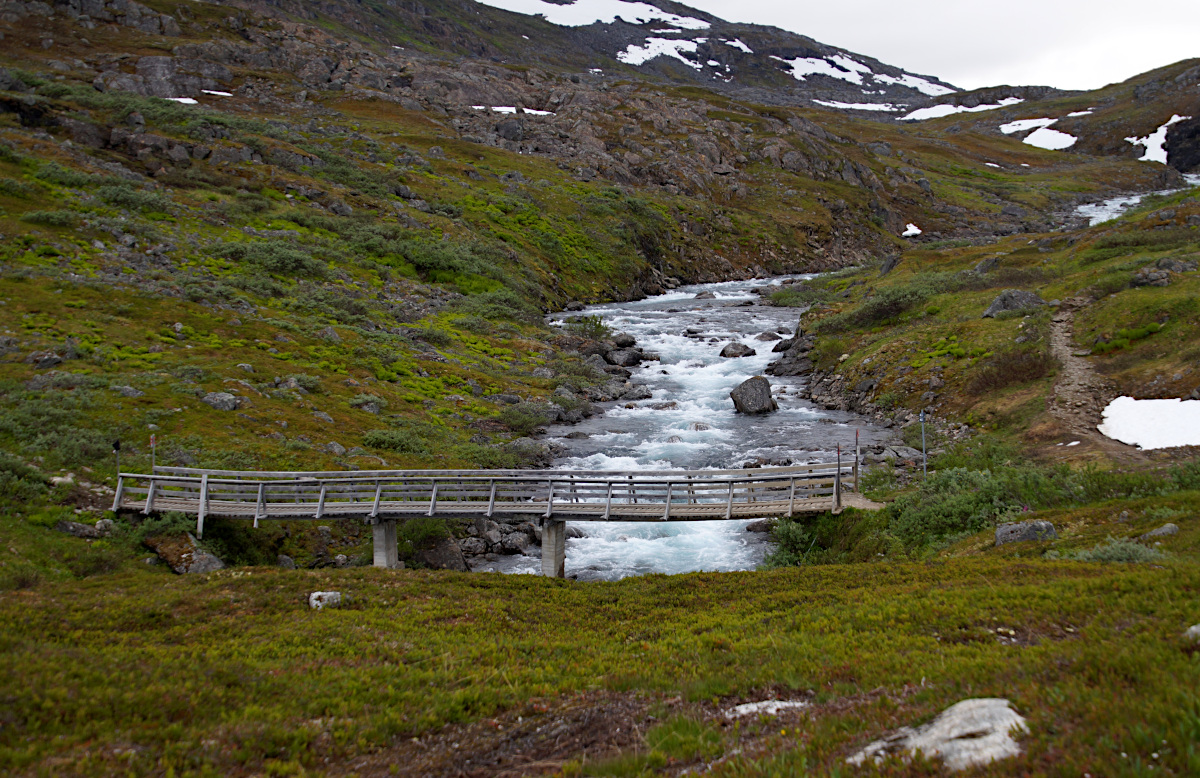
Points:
(386, 553)
(554, 548)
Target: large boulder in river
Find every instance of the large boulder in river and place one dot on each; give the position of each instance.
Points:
(1013, 300)
(446, 555)
(624, 357)
(624, 340)
(753, 396)
(734, 350)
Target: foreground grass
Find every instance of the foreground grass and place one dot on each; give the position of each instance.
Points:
(147, 673)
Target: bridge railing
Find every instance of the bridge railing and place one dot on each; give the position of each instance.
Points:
(558, 495)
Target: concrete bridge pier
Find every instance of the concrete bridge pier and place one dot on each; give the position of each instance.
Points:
(386, 553)
(554, 548)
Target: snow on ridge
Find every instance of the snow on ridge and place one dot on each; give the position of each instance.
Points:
(911, 231)
(947, 109)
(1075, 114)
(1024, 125)
(581, 13)
(915, 82)
(737, 44)
(844, 67)
(1156, 142)
(660, 47)
(857, 106)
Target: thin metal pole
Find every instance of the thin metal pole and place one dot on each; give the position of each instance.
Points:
(924, 456)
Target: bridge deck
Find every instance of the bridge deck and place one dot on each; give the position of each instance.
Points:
(383, 497)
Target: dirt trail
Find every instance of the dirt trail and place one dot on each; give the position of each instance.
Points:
(1080, 395)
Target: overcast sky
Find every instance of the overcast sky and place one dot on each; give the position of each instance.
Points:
(1070, 44)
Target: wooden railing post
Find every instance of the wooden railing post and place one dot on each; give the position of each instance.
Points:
(857, 459)
(549, 499)
(119, 493)
(150, 493)
(203, 506)
(667, 510)
(433, 499)
(837, 482)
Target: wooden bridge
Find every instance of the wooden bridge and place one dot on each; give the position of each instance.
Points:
(380, 498)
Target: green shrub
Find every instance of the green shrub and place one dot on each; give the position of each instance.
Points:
(309, 383)
(793, 543)
(890, 302)
(950, 503)
(127, 196)
(1118, 550)
(273, 256)
(1123, 338)
(59, 218)
(400, 441)
(524, 418)
(498, 304)
(424, 531)
(590, 327)
(14, 188)
(54, 173)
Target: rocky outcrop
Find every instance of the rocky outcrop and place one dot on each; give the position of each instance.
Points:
(183, 554)
(445, 555)
(753, 397)
(1013, 300)
(795, 360)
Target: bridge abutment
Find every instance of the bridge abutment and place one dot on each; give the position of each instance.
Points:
(554, 548)
(386, 552)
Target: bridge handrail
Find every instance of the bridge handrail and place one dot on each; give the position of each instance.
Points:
(327, 474)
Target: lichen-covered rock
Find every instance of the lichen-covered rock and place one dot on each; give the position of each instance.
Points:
(1165, 531)
(1025, 531)
(624, 357)
(321, 600)
(222, 401)
(971, 733)
(753, 396)
(1013, 300)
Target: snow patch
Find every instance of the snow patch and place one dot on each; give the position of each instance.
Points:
(991, 164)
(911, 231)
(1024, 125)
(660, 47)
(216, 93)
(1152, 424)
(817, 66)
(504, 108)
(1075, 114)
(857, 106)
(581, 13)
(737, 44)
(766, 708)
(1053, 140)
(1156, 142)
(938, 111)
(917, 83)
(533, 112)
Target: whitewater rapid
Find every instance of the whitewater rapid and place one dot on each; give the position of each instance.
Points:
(701, 431)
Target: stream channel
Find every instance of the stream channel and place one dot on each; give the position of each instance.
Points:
(702, 430)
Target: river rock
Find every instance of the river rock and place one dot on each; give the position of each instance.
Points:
(735, 350)
(624, 340)
(624, 357)
(636, 392)
(473, 546)
(768, 336)
(1025, 531)
(698, 426)
(705, 296)
(183, 554)
(795, 360)
(446, 555)
(971, 733)
(753, 396)
(762, 525)
(1013, 300)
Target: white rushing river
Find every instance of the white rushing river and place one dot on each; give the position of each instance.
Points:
(701, 431)
(1107, 210)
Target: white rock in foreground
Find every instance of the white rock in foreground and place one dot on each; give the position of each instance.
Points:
(319, 600)
(1192, 633)
(766, 707)
(1152, 424)
(968, 734)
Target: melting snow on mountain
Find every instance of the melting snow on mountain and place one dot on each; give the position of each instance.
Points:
(843, 67)
(661, 47)
(857, 106)
(584, 12)
(938, 111)
(1042, 136)
(1153, 424)
(911, 231)
(1156, 142)
(737, 44)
